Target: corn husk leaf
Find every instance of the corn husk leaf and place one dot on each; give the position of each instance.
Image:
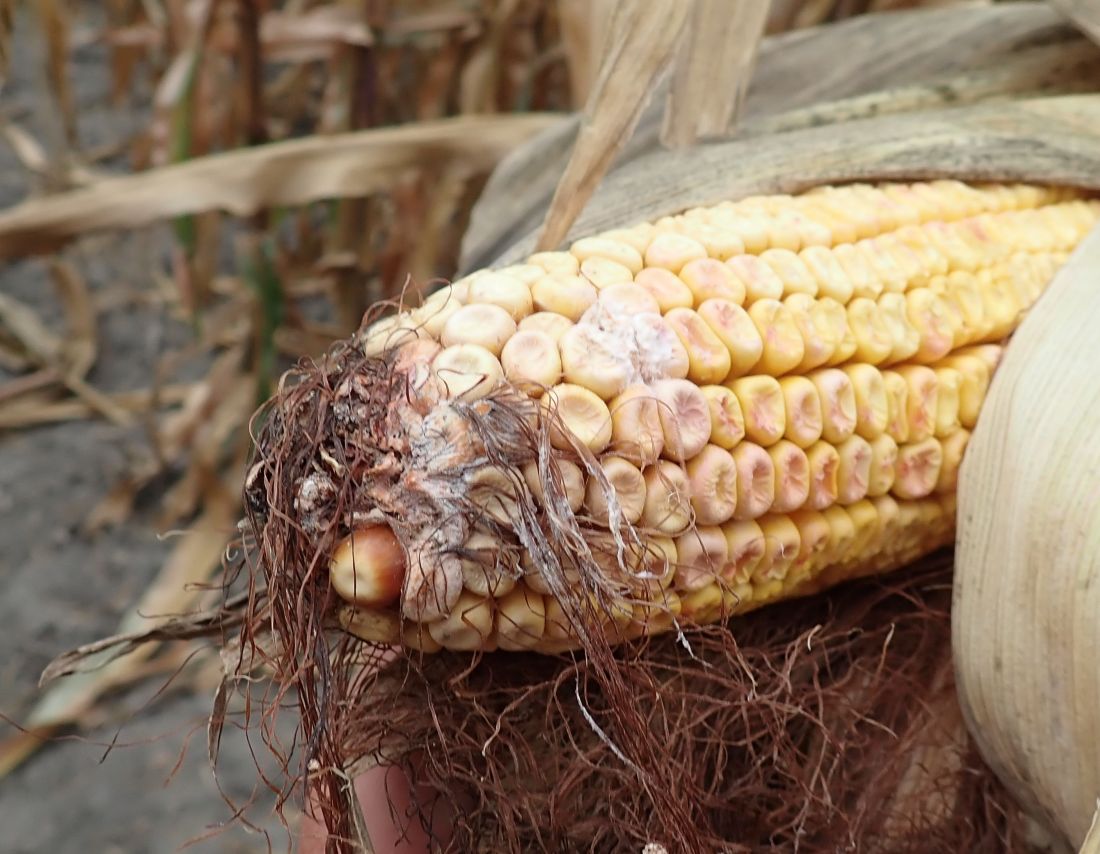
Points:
(1025, 625)
(643, 36)
(713, 70)
(245, 181)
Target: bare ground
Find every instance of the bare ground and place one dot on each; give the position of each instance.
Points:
(62, 587)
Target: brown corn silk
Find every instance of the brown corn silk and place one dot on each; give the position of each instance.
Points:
(813, 724)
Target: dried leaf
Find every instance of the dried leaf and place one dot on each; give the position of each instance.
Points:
(78, 350)
(26, 148)
(33, 413)
(248, 180)
(643, 36)
(54, 21)
(584, 27)
(713, 69)
(19, 322)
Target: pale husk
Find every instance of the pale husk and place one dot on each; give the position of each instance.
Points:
(1026, 615)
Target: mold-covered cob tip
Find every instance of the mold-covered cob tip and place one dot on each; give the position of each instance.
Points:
(663, 426)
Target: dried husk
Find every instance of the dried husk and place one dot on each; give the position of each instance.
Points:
(1026, 611)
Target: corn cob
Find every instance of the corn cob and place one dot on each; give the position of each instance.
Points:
(722, 409)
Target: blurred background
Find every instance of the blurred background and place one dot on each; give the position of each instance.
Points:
(193, 195)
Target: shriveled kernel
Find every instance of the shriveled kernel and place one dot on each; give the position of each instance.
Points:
(824, 469)
(570, 296)
(708, 358)
(990, 354)
(838, 404)
(721, 242)
(612, 250)
(872, 406)
(389, 333)
(865, 519)
(713, 478)
(928, 314)
(854, 469)
(755, 481)
(627, 298)
(762, 404)
(530, 360)
(736, 330)
(832, 281)
(636, 432)
(759, 280)
(665, 287)
(792, 476)
(782, 543)
(589, 357)
(897, 405)
(873, 342)
(685, 418)
(948, 381)
(467, 371)
(526, 273)
(548, 323)
(973, 384)
(638, 235)
(507, 292)
(918, 468)
(672, 251)
(437, 309)
(488, 326)
(703, 604)
(556, 263)
(855, 263)
(748, 228)
(468, 626)
(664, 353)
(883, 266)
(565, 473)
(842, 228)
(484, 570)
(842, 533)
(884, 458)
(814, 538)
(783, 346)
(802, 408)
(582, 414)
(921, 400)
(701, 555)
(893, 310)
(727, 422)
(520, 619)
(629, 491)
(667, 498)
(953, 446)
(709, 278)
(657, 564)
(791, 270)
(601, 272)
(745, 545)
(818, 344)
(831, 320)
(495, 492)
